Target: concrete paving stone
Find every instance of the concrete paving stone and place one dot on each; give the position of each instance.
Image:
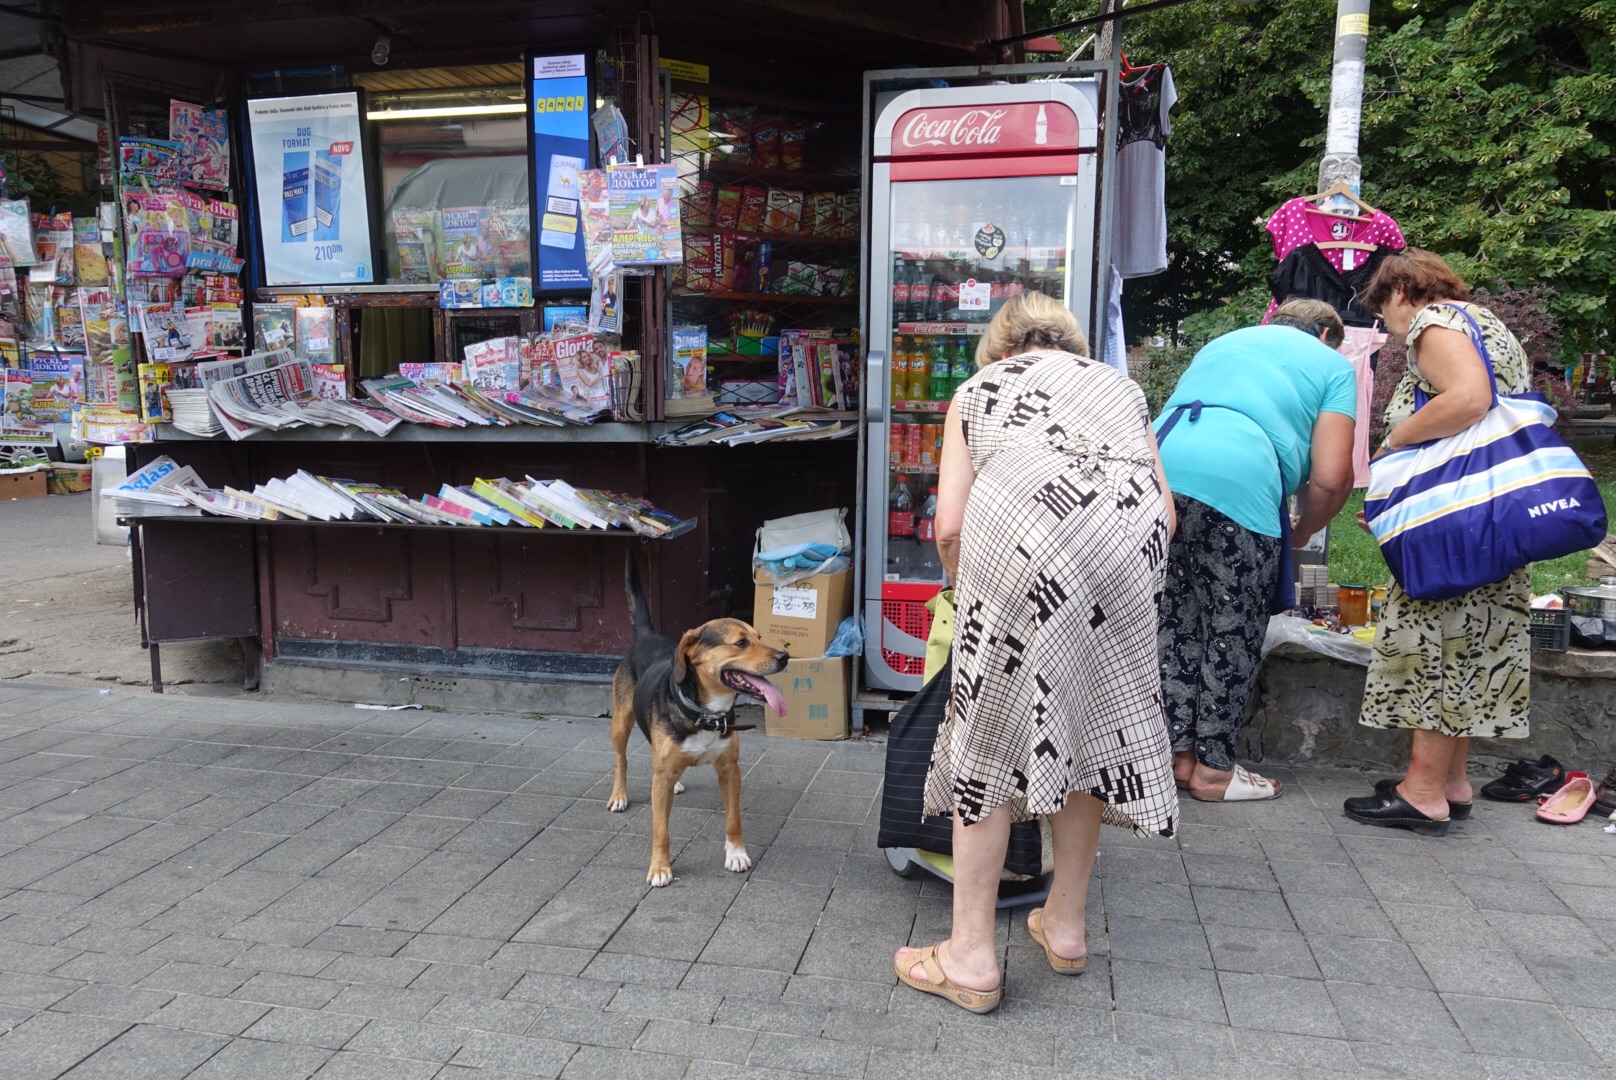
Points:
(674, 935)
(274, 989)
(772, 900)
(735, 981)
(1163, 1033)
(1257, 909)
(1320, 879)
(385, 1002)
(1596, 1026)
(853, 950)
(27, 865)
(303, 856)
(1587, 901)
(1368, 960)
(362, 940)
(604, 1063)
(351, 1066)
(748, 943)
(306, 1027)
(34, 991)
(247, 892)
(788, 865)
(1219, 839)
(1278, 1003)
(992, 1042)
(1261, 951)
(465, 979)
(38, 929)
(86, 835)
(321, 901)
(1442, 925)
(485, 1014)
(704, 888)
(516, 1054)
(217, 1015)
(403, 907)
(101, 968)
(1487, 973)
(1343, 916)
(1521, 1069)
(1028, 970)
(627, 968)
(1153, 863)
(151, 1053)
(537, 810)
(501, 839)
(403, 1039)
(589, 1027)
(490, 916)
(1091, 1058)
(1542, 935)
(547, 959)
(1391, 1014)
(819, 1057)
(872, 1028)
(1182, 993)
(1158, 941)
(276, 931)
(1519, 1029)
(863, 997)
(49, 1044)
(249, 1059)
(372, 970)
(372, 861)
(1230, 871)
(765, 1016)
(563, 990)
(706, 1042)
(834, 837)
(285, 959)
(889, 1064)
(113, 1002)
(1492, 894)
(449, 949)
(1417, 1063)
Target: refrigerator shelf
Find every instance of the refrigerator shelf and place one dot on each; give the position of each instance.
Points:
(797, 177)
(780, 298)
(920, 406)
(803, 239)
(943, 329)
(915, 470)
(1044, 258)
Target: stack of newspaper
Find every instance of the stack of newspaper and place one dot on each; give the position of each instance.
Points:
(157, 490)
(251, 393)
(193, 413)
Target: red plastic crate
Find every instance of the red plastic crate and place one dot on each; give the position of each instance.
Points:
(903, 604)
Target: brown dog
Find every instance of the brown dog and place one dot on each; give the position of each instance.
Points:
(682, 697)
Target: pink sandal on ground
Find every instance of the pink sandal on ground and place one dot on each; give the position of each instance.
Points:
(1571, 803)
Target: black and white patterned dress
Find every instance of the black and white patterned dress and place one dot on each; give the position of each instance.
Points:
(1057, 686)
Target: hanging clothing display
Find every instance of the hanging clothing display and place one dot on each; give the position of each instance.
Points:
(1139, 238)
(1307, 272)
(1300, 222)
(1359, 346)
(1115, 352)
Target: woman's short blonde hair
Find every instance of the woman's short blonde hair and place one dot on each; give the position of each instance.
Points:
(1028, 322)
(1314, 317)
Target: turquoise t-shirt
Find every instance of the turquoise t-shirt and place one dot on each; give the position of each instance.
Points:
(1281, 378)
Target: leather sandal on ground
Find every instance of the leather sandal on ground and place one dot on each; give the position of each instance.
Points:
(1392, 811)
(1243, 787)
(936, 982)
(1571, 803)
(1061, 965)
(1457, 811)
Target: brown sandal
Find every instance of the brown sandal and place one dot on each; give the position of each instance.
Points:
(940, 984)
(1060, 964)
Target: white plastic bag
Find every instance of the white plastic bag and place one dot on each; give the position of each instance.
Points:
(1294, 630)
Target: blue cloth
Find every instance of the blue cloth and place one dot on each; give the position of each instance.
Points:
(1272, 381)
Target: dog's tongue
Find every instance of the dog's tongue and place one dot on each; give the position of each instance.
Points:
(766, 690)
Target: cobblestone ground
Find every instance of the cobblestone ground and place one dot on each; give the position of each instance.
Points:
(211, 889)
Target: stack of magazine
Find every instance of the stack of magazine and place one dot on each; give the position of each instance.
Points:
(165, 488)
(769, 423)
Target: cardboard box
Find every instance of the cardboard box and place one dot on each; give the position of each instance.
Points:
(802, 618)
(23, 485)
(816, 700)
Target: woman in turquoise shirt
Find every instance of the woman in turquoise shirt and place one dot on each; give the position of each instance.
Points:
(1260, 413)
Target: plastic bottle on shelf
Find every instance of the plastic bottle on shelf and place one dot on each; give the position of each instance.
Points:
(900, 530)
(901, 276)
(900, 368)
(928, 566)
(940, 387)
(921, 359)
(961, 366)
(897, 440)
(920, 288)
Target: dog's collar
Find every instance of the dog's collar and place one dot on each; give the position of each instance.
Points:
(707, 719)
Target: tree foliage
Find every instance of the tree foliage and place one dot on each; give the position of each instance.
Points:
(1487, 134)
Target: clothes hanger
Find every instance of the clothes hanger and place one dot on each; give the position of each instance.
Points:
(1338, 245)
(1340, 189)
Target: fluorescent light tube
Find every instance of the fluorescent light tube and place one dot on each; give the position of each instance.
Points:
(447, 110)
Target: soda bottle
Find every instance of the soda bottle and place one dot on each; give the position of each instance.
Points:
(921, 360)
(945, 294)
(896, 439)
(900, 510)
(940, 387)
(961, 366)
(900, 368)
(928, 566)
(920, 295)
(900, 289)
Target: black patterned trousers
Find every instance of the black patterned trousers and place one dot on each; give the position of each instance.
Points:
(1214, 615)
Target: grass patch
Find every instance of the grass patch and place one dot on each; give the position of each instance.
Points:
(1355, 557)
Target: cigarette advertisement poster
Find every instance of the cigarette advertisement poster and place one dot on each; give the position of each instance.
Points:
(309, 176)
(645, 215)
(560, 105)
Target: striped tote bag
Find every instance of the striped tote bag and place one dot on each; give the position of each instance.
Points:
(1458, 513)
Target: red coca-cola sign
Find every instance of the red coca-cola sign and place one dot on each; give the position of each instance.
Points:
(1019, 127)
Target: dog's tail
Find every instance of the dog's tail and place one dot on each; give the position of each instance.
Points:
(639, 610)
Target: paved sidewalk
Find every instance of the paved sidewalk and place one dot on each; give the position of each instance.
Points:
(218, 889)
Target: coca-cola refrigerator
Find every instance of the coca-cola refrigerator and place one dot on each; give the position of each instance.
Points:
(977, 194)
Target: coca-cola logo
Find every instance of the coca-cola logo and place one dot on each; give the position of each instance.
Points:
(974, 127)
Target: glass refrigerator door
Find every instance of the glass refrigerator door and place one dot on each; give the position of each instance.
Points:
(956, 251)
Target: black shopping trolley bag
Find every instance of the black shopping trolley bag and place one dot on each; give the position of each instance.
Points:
(909, 745)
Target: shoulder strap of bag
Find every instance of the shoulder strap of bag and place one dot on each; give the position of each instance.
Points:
(1478, 339)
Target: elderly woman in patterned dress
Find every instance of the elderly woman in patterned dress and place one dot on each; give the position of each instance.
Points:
(1447, 670)
(1053, 521)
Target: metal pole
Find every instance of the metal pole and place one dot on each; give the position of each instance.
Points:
(1340, 164)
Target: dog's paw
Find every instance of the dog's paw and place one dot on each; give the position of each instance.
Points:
(617, 804)
(735, 857)
(659, 877)
(678, 787)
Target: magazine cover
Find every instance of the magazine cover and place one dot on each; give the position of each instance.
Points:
(89, 260)
(17, 232)
(689, 362)
(644, 203)
(272, 326)
(204, 138)
(330, 381)
(155, 161)
(167, 332)
(18, 422)
(153, 381)
(316, 335)
(226, 330)
(493, 365)
(416, 234)
(58, 385)
(463, 246)
(583, 371)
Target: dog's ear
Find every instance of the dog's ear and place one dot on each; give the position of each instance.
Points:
(682, 654)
